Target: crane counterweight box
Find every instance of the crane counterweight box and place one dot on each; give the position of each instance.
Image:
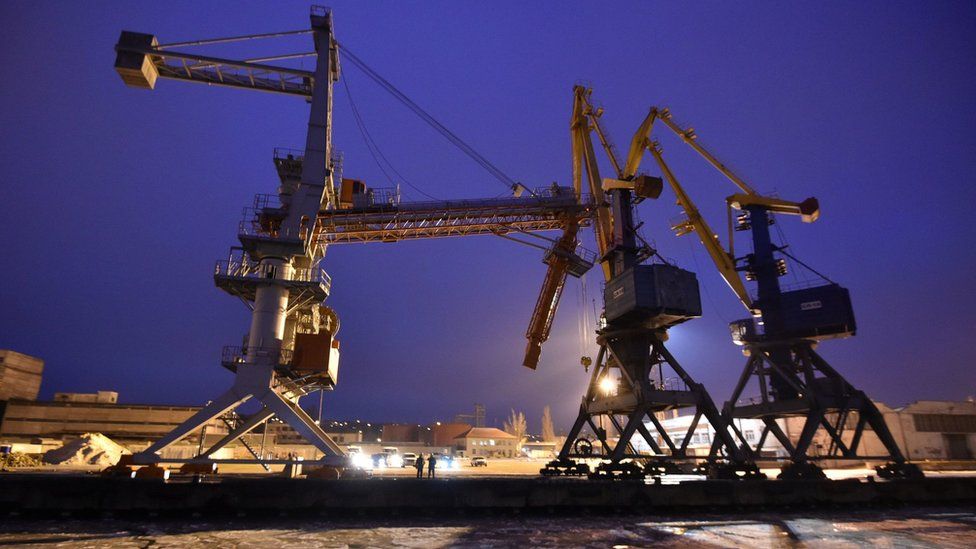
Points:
(656, 295)
(136, 68)
(822, 312)
(317, 355)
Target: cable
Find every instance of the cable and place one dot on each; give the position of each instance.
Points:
(811, 269)
(785, 243)
(708, 294)
(430, 120)
(374, 149)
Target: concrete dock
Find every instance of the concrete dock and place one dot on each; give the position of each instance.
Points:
(82, 495)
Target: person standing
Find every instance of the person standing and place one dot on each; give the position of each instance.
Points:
(419, 464)
(431, 465)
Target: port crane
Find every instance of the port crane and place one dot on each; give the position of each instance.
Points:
(632, 379)
(784, 327)
(291, 349)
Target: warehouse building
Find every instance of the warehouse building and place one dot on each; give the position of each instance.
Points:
(66, 418)
(20, 375)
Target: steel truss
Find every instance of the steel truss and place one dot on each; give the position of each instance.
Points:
(439, 219)
(630, 385)
(794, 381)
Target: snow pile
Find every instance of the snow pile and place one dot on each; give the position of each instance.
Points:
(88, 449)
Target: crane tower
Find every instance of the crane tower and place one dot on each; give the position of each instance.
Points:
(291, 348)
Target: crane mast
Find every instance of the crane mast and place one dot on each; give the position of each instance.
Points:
(290, 349)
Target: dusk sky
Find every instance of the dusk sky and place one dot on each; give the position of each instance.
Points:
(117, 201)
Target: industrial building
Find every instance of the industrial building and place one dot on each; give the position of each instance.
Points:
(282, 433)
(927, 430)
(61, 419)
(487, 442)
(20, 375)
(924, 430)
(101, 397)
(33, 426)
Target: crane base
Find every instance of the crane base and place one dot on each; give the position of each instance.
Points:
(899, 470)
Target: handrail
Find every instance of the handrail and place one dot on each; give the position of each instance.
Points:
(237, 354)
(248, 269)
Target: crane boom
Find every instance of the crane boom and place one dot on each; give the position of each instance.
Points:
(545, 210)
(584, 159)
(695, 222)
(560, 260)
(141, 60)
(725, 262)
(688, 136)
(639, 144)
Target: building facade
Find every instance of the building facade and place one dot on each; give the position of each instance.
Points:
(443, 434)
(20, 375)
(401, 432)
(101, 397)
(487, 442)
(24, 419)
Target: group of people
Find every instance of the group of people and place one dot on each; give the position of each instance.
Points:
(431, 462)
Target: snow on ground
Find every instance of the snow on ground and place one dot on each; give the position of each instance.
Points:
(88, 449)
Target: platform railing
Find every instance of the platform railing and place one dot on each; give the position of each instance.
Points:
(242, 268)
(232, 355)
(313, 274)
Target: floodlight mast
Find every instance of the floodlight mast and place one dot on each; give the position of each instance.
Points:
(291, 348)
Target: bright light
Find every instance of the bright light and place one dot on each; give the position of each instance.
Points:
(361, 461)
(607, 385)
(394, 461)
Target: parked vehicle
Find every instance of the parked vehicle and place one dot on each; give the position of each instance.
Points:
(447, 462)
(479, 461)
(409, 459)
(393, 458)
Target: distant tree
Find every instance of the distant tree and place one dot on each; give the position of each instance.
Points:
(548, 430)
(516, 426)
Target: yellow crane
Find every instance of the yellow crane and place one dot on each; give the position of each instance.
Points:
(808, 210)
(635, 377)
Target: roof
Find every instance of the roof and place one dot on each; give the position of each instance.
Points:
(484, 432)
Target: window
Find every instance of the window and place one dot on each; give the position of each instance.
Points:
(945, 423)
(750, 435)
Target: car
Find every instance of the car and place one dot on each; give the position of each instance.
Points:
(409, 459)
(479, 461)
(445, 462)
(378, 460)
